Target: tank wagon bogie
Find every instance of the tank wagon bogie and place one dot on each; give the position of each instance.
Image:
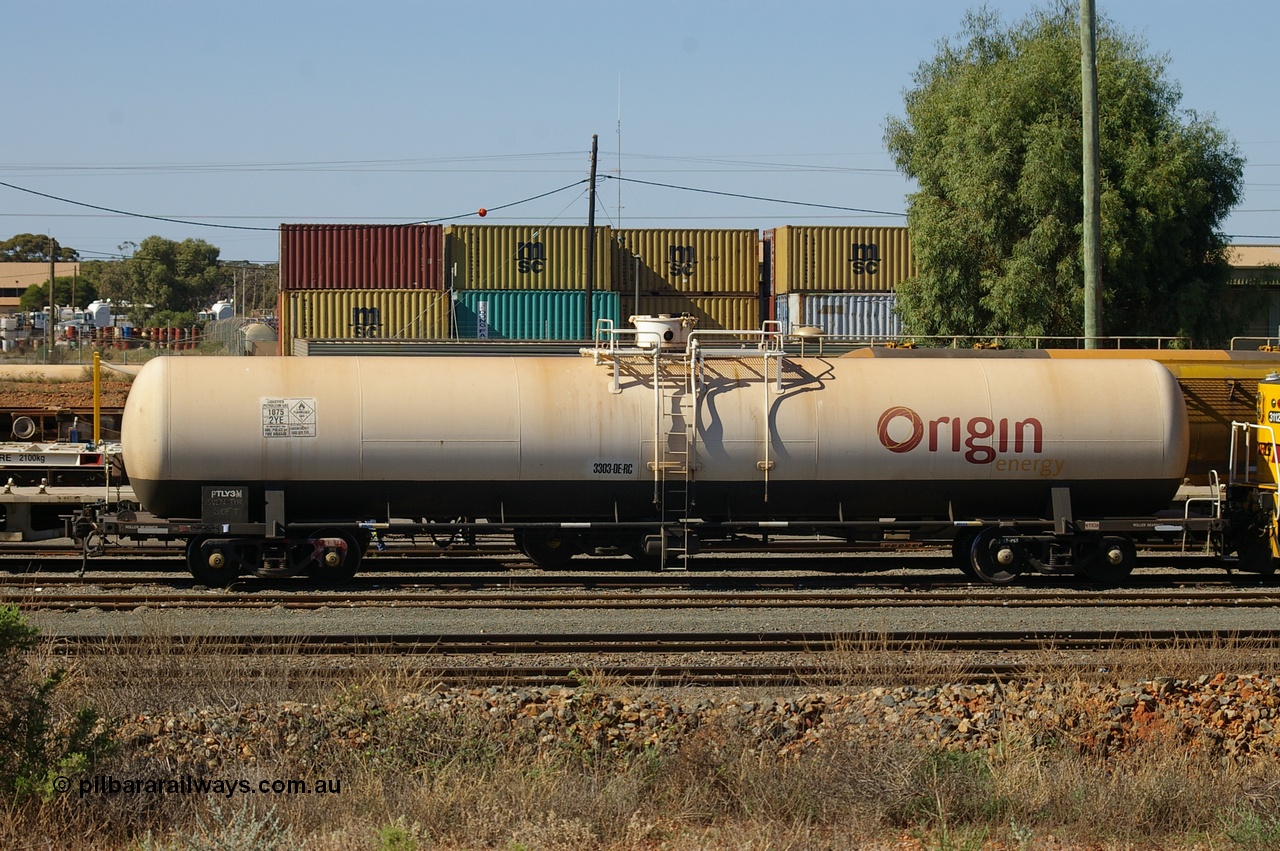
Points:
(326, 555)
(655, 449)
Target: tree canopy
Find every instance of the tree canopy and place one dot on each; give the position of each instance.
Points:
(75, 292)
(32, 247)
(162, 275)
(992, 136)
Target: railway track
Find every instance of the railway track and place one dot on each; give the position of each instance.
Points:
(661, 676)
(624, 598)
(806, 659)
(506, 570)
(667, 643)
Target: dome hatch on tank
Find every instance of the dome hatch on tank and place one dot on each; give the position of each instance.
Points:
(665, 330)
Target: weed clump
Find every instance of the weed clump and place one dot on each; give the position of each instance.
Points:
(38, 755)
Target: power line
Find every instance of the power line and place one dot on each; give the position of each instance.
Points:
(171, 220)
(132, 215)
(521, 201)
(753, 197)
(505, 206)
(755, 162)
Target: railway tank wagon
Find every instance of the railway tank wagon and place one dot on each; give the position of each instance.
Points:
(286, 465)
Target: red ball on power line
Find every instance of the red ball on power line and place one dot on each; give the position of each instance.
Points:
(483, 212)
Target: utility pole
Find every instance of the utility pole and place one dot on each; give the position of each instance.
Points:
(591, 241)
(53, 257)
(1091, 248)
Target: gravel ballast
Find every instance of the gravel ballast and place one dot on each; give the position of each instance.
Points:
(1228, 716)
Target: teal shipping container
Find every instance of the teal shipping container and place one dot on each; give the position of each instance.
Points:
(528, 314)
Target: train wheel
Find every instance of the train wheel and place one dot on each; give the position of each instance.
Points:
(1107, 562)
(212, 562)
(336, 556)
(548, 550)
(996, 557)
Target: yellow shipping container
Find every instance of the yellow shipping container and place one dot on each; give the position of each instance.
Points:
(839, 259)
(363, 314)
(720, 262)
(713, 312)
(524, 257)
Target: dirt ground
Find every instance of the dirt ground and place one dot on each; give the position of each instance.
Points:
(27, 395)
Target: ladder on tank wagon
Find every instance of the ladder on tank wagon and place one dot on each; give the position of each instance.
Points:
(678, 382)
(675, 398)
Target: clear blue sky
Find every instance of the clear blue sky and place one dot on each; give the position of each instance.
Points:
(256, 113)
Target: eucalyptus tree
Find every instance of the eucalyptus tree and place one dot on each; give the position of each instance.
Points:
(992, 137)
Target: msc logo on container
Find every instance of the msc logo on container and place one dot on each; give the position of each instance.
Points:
(366, 322)
(531, 257)
(864, 258)
(681, 260)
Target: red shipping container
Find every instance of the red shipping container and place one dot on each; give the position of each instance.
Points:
(344, 257)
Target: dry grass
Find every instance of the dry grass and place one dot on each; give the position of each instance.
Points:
(868, 660)
(161, 675)
(458, 780)
(1183, 659)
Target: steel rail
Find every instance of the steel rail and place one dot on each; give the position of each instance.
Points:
(693, 582)
(1002, 641)
(658, 675)
(831, 599)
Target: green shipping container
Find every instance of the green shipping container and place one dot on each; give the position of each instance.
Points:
(528, 314)
(524, 257)
(706, 262)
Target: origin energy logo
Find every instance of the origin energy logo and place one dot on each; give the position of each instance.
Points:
(981, 439)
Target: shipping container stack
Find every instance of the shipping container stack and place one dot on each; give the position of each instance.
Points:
(711, 275)
(527, 282)
(361, 281)
(842, 280)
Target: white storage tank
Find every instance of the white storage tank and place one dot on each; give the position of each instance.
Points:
(99, 313)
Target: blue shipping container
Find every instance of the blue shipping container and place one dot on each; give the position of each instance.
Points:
(854, 315)
(528, 314)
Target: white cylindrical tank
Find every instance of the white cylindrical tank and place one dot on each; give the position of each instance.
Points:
(545, 438)
(99, 314)
(259, 339)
